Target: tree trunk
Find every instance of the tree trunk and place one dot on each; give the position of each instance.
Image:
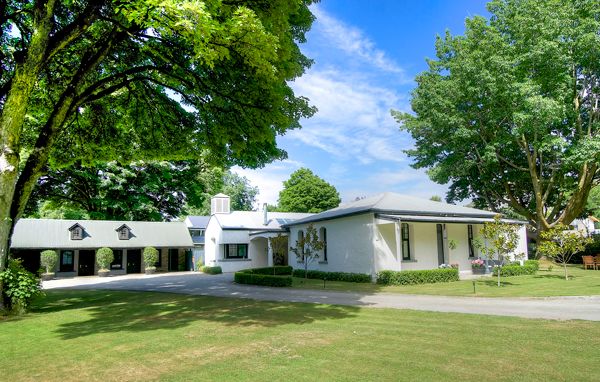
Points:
(13, 116)
(565, 267)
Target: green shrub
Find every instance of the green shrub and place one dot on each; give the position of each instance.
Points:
(150, 257)
(517, 270)
(533, 263)
(48, 260)
(20, 287)
(104, 256)
(429, 276)
(334, 276)
(276, 270)
(211, 270)
(244, 277)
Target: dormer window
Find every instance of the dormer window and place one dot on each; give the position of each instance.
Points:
(76, 232)
(123, 232)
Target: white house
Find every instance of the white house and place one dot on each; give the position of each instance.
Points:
(397, 232)
(384, 232)
(236, 240)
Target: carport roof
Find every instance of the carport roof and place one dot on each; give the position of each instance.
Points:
(54, 234)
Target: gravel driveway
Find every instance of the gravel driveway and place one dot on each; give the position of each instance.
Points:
(559, 308)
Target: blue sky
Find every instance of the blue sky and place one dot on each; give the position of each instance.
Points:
(367, 54)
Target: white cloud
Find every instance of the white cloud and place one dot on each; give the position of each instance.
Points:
(353, 41)
(354, 118)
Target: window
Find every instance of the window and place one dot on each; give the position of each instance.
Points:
(301, 240)
(77, 233)
(118, 259)
(405, 241)
(196, 232)
(67, 261)
(323, 235)
(124, 234)
(470, 240)
(236, 251)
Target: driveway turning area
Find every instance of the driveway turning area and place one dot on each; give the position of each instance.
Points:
(557, 308)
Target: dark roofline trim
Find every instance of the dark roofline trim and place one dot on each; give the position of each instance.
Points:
(273, 230)
(123, 226)
(390, 212)
(71, 228)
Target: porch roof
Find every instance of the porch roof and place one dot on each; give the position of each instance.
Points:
(444, 219)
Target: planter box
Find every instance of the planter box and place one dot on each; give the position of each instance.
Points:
(47, 276)
(478, 271)
(103, 273)
(150, 271)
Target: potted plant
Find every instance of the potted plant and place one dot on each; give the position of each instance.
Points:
(150, 258)
(48, 260)
(104, 256)
(478, 267)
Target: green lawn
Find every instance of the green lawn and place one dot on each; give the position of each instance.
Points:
(545, 283)
(128, 336)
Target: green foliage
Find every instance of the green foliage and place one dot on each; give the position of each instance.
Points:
(104, 256)
(19, 287)
(276, 270)
(48, 260)
(253, 278)
(241, 193)
(535, 264)
(279, 247)
(150, 256)
(308, 246)
(211, 270)
(561, 244)
(333, 276)
(306, 192)
(153, 191)
(429, 276)
(507, 113)
(517, 270)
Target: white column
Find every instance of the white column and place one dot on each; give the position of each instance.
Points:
(397, 226)
(269, 253)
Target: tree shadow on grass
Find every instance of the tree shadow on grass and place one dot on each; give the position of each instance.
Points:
(562, 277)
(117, 311)
(494, 283)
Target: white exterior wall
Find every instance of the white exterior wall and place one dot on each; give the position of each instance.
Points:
(214, 248)
(349, 245)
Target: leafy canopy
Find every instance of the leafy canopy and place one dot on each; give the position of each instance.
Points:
(306, 192)
(508, 114)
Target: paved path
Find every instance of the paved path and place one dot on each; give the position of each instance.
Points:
(559, 308)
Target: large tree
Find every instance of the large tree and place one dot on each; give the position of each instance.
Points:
(96, 81)
(241, 193)
(306, 192)
(508, 114)
(138, 191)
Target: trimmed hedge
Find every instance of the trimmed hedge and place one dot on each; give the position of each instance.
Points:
(276, 270)
(429, 276)
(334, 276)
(516, 270)
(211, 270)
(533, 263)
(244, 277)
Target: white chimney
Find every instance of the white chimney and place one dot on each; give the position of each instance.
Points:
(220, 204)
(265, 215)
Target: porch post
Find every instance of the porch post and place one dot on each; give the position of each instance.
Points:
(269, 253)
(397, 226)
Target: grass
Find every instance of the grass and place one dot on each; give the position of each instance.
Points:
(130, 336)
(545, 283)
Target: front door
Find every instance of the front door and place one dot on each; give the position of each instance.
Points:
(173, 259)
(440, 243)
(134, 260)
(87, 259)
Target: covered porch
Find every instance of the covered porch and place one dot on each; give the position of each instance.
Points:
(273, 244)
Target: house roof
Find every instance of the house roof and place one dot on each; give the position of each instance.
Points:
(396, 204)
(253, 220)
(54, 234)
(197, 221)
